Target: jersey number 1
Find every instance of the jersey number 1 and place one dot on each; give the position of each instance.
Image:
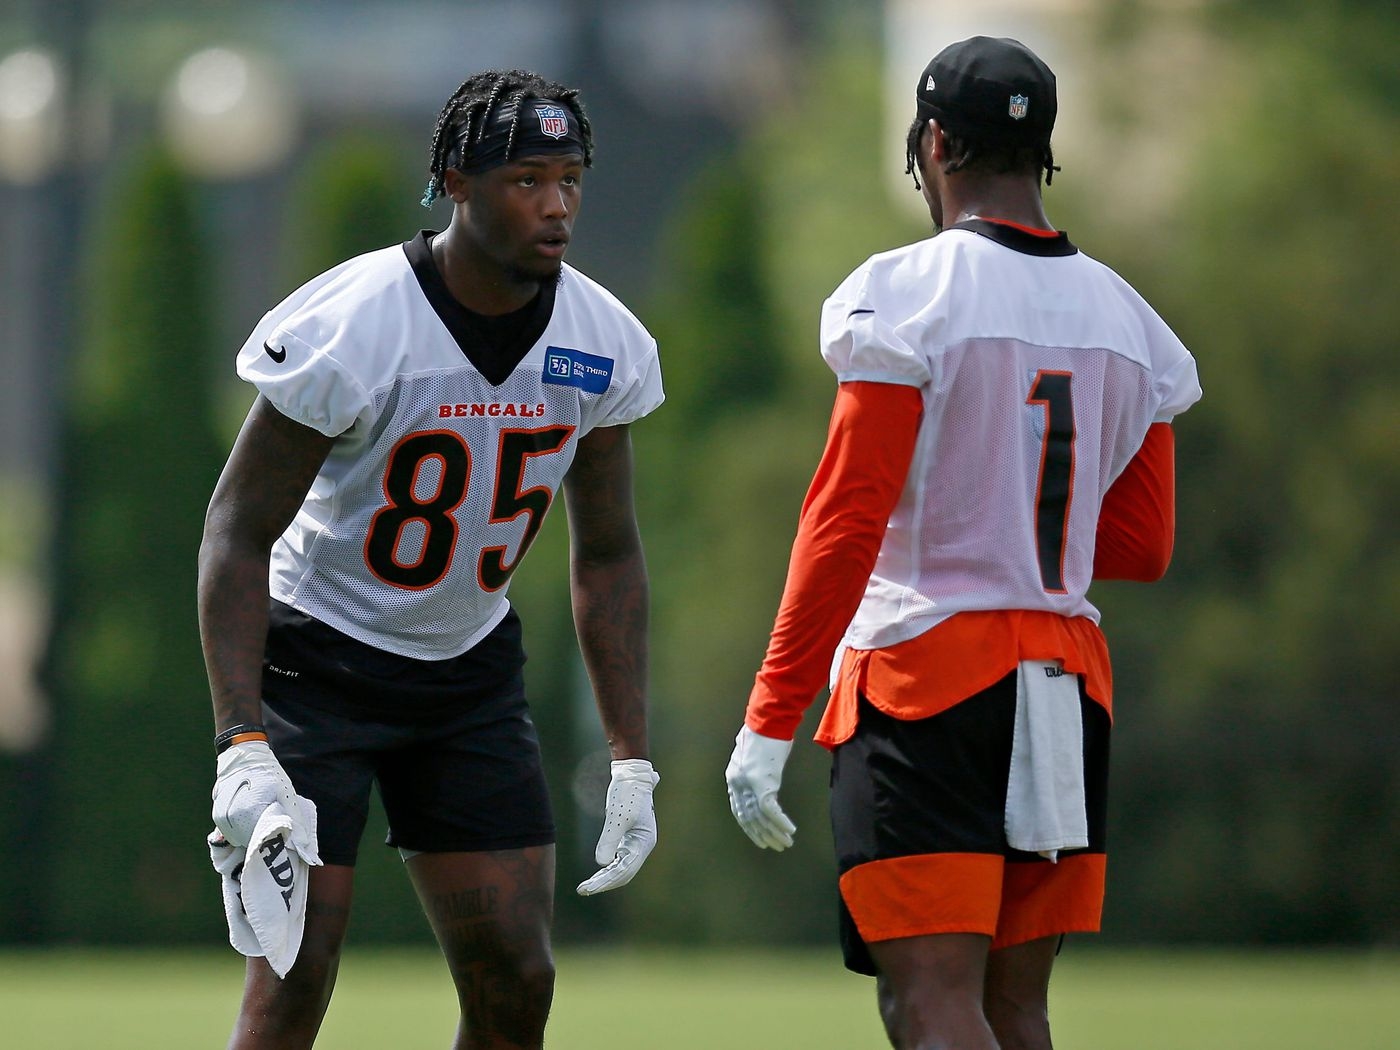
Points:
(1055, 481)
(434, 514)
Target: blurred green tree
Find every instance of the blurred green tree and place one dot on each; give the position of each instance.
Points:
(138, 461)
(768, 233)
(349, 197)
(1259, 781)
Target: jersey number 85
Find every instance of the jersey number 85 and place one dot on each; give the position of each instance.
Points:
(385, 543)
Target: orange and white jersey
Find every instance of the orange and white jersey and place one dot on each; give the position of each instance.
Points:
(439, 477)
(1040, 371)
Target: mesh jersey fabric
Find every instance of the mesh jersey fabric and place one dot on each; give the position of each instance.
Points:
(1037, 369)
(438, 478)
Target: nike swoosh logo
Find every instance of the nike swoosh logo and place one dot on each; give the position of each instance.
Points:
(278, 355)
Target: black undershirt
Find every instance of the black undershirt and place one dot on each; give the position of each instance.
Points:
(493, 344)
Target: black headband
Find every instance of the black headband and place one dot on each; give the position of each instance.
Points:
(544, 127)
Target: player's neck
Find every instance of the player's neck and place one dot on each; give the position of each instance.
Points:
(477, 281)
(1013, 199)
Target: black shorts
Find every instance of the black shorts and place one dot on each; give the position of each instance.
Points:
(450, 742)
(918, 811)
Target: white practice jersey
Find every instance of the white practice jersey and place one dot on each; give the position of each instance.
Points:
(1041, 370)
(439, 478)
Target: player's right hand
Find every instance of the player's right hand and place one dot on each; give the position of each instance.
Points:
(754, 774)
(249, 780)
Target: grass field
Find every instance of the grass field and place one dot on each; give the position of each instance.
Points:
(1101, 1000)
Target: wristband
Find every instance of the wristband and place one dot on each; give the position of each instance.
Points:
(239, 734)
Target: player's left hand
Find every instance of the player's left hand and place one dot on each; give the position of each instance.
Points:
(629, 830)
(753, 776)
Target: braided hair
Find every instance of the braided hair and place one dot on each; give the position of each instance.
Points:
(964, 152)
(469, 112)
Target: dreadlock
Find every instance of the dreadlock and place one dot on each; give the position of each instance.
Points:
(469, 111)
(971, 154)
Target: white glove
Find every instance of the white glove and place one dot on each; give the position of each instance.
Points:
(265, 886)
(249, 780)
(629, 830)
(754, 774)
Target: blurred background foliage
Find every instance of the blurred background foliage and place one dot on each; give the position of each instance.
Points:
(1257, 776)
(139, 452)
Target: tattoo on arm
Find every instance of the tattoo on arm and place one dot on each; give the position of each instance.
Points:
(609, 585)
(272, 465)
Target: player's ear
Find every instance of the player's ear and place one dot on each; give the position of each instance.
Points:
(456, 186)
(937, 142)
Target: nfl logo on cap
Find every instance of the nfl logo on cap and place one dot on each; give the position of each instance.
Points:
(1019, 105)
(554, 121)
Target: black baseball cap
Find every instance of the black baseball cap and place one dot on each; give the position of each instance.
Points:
(992, 89)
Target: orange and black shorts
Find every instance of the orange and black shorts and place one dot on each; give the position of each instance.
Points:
(918, 820)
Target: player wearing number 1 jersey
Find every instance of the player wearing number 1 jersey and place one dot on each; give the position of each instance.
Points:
(1000, 439)
(419, 408)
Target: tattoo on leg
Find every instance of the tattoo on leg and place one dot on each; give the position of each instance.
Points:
(495, 938)
(448, 908)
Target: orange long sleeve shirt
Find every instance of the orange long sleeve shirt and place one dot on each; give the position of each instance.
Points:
(870, 445)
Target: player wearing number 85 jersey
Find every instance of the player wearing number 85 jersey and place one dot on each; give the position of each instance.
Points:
(418, 410)
(448, 452)
(1000, 439)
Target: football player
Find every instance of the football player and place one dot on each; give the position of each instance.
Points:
(1001, 437)
(418, 410)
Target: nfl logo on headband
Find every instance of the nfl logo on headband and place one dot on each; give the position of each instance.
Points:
(1019, 105)
(554, 121)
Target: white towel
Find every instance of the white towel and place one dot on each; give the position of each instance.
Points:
(1045, 810)
(264, 885)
